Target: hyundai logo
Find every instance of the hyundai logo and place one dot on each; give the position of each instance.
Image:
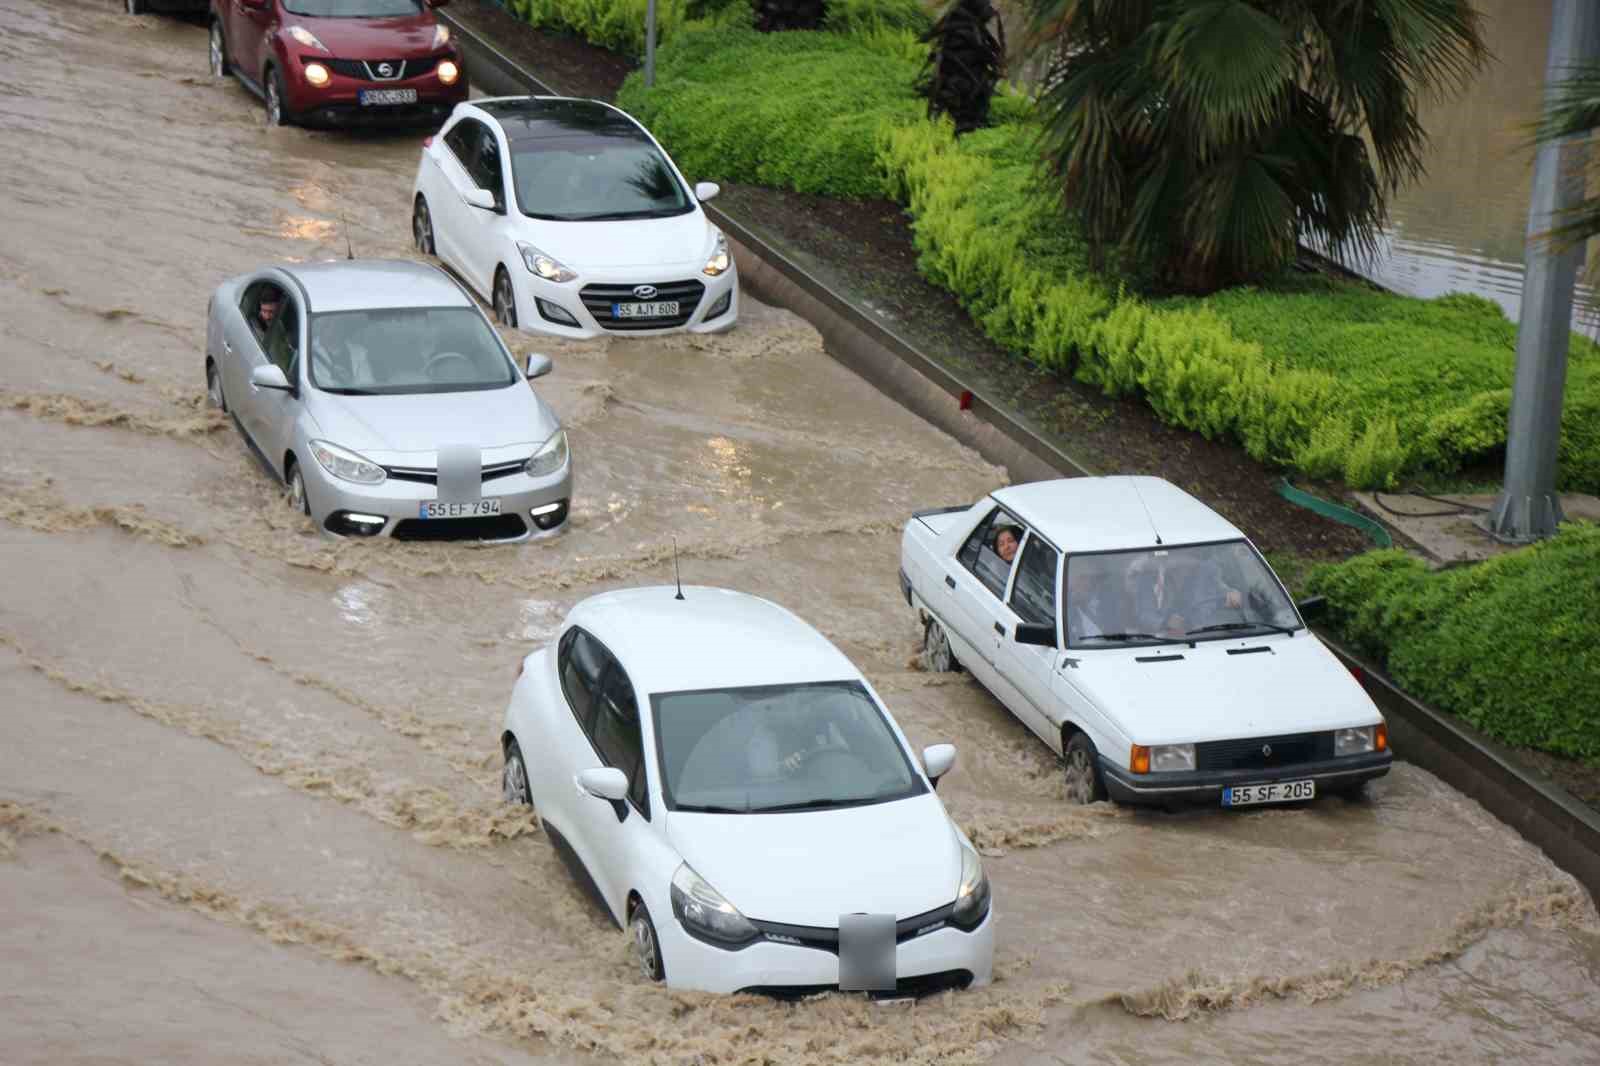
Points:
(644, 292)
(1266, 751)
(385, 70)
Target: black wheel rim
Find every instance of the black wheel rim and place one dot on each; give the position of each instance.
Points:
(422, 229)
(505, 310)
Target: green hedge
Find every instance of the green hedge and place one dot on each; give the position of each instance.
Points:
(1512, 645)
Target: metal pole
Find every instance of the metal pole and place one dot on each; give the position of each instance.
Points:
(650, 44)
(1528, 508)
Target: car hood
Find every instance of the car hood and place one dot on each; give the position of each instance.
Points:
(405, 37)
(899, 858)
(1297, 686)
(411, 428)
(682, 241)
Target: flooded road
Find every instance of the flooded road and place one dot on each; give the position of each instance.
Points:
(249, 801)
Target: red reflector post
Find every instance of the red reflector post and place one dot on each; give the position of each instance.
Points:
(966, 399)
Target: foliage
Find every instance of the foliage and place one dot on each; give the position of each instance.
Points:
(1207, 136)
(964, 63)
(614, 24)
(773, 16)
(1512, 645)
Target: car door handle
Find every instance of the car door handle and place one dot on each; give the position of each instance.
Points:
(998, 628)
(950, 581)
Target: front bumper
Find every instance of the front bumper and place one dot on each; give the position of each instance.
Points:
(1205, 786)
(934, 959)
(569, 297)
(339, 102)
(397, 503)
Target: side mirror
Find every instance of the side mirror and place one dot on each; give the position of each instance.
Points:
(269, 376)
(480, 198)
(607, 783)
(1313, 606)
(1041, 633)
(937, 760)
(538, 365)
(706, 190)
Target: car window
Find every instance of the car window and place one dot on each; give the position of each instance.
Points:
(581, 661)
(596, 178)
(385, 351)
(980, 553)
(483, 162)
(250, 306)
(462, 140)
(616, 733)
(282, 343)
(1033, 594)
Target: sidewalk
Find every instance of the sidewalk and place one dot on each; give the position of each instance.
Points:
(1445, 526)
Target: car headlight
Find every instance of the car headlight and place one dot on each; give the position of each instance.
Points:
(448, 71)
(441, 36)
(972, 897)
(703, 912)
(719, 260)
(1171, 757)
(551, 456)
(305, 37)
(317, 74)
(346, 465)
(543, 265)
(1355, 741)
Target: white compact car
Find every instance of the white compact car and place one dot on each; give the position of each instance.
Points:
(743, 803)
(570, 219)
(1144, 639)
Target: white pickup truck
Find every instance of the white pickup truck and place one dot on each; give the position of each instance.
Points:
(1144, 639)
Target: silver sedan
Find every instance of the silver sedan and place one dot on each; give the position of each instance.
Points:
(382, 397)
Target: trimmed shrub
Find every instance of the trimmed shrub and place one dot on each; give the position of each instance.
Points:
(1511, 645)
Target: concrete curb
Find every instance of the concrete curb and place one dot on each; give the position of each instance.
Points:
(1545, 814)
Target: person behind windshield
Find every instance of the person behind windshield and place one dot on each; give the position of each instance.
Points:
(1089, 608)
(1168, 596)
(1006, 543)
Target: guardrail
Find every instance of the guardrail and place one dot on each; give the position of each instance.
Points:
(1544, 813)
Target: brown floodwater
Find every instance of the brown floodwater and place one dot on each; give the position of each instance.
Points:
(249, 803)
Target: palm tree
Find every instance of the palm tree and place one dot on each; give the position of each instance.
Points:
(775, 15)
(1206, 138)
(964, 63)
(1573, 110)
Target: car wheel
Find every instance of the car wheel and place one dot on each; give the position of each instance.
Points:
(514, 778)
(276, 115)
(1083, 775)
(936, 651)
(422, 227)
(214, 388)
(646, 948)
(505, 302)
(297, 490)
(219, 51)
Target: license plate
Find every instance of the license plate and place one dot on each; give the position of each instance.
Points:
(471, 509)
(661, 309)
(387, 96)
(1277, 792)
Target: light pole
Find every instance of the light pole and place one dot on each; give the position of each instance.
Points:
(1528, 508)
(650, 44)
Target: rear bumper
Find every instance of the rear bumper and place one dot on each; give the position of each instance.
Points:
(1205, 786)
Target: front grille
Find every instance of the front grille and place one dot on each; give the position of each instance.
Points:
(823, 938)
(367, 69)
(599, 298)
(427, 475)
(1263, 753)
(920, 985)
(489, 527)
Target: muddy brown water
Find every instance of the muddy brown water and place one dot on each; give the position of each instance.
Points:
(249, 804)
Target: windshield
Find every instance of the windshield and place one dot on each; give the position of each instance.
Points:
(352, 9)
(407, 350)
(778, 747)
(589, 179)
(1158, 595)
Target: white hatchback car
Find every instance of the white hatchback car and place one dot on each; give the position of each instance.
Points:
(743, 803)
(1142, 637)
(570, 219)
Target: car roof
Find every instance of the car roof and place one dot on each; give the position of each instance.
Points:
(542, 118)
(1085, 514)
(712, 638)
(359, 284)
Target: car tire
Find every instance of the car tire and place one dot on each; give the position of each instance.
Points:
(1084, 784)
(218, 50)
(514, 778)
(277, 110)
(937, 654)
(297, 489)
(214, 388)
(505, 301)
(422, 226)
(646, 945)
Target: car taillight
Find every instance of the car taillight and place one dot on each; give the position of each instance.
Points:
(427, 142)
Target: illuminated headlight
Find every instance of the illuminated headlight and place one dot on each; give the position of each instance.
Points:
(346, 465)
(317, 74)
(303, 36)
(972, 897)
(543, 265)
(551, 456)
(704, 913)
(448, 71)
(1171, 757)
(441, 37)
(719, 261)
(1354, 741)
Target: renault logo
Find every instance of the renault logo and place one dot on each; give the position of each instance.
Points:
(644, 292)
(1266, 751)
(385, 70)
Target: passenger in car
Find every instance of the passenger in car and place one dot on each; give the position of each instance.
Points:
(1090, 611)
(266, 310)
(1007, 541)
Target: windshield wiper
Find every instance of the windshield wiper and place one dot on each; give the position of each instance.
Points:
(354, 392)
(819, 804)
(1248, 623)
(711, 808)
(1119, 636)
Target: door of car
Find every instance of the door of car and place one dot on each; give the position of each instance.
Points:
(448, 206)
(247, 33)
(277, 409)
(1032, 598)
(482, 229)
(244, 348)
(618, 741)
(979, 579)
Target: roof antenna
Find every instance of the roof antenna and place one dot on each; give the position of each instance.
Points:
(675, 575)
(1148, 516)
(349, 252)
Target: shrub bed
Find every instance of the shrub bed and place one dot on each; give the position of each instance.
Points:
(1512, 644)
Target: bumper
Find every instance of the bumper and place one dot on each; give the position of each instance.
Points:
(782, 968)
(397, 503)
(339, 102)
(1205, 786)
(530, 291)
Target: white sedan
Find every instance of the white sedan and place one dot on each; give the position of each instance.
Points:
(570, 219)
(743, 802)
(1143, 638)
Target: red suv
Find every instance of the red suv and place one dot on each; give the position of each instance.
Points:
(330, 62)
